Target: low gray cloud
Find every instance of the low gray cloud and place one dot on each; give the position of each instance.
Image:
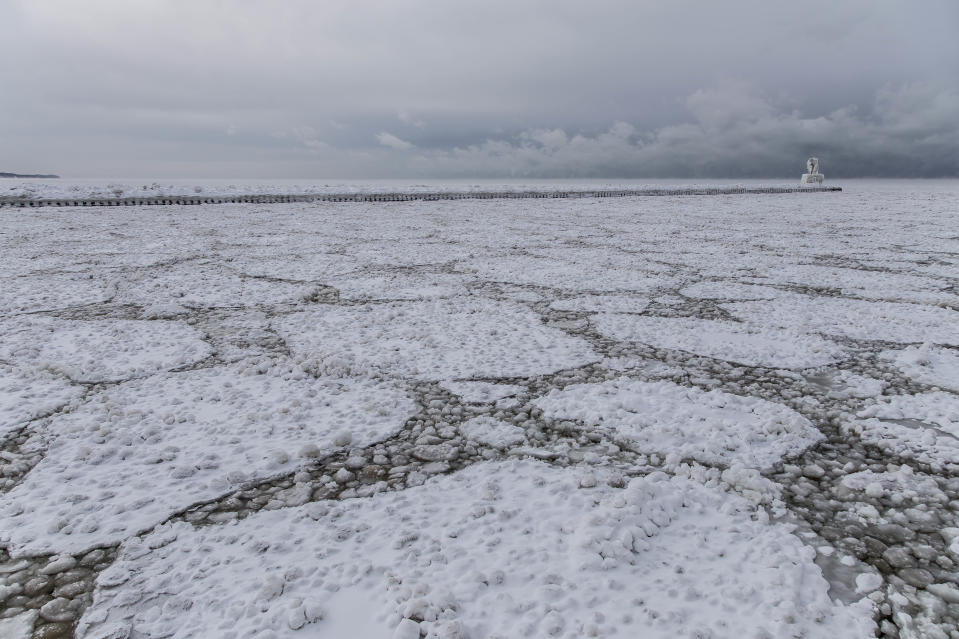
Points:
(390, 140)
(910, 131)
(550, 88)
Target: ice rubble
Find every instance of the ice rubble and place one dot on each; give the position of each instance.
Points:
(602, 304)
(307, 267)
(924, 427)
(902, 485)
(398, 286)
(661, 417)
(141, 451)
(481, 392)
(512, 549)
(730, 290)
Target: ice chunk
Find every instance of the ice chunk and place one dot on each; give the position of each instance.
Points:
(662, 417)
(511, 549)
(433, 340)
(140, 451)
(492, 432)
(481, 392)
(928, 365)
(857, 319)
(731, 341)
(102, 350)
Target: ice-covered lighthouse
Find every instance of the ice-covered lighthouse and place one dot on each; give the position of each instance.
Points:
(813, 176)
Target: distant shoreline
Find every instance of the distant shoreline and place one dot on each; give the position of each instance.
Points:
(36, 176)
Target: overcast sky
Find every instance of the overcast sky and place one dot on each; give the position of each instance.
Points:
(491, 88)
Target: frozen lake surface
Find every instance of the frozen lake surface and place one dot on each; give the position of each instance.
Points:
(719, 416)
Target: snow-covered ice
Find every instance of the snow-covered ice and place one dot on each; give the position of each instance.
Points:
(203, 285)
(940, 408)
(26, 394)
(510, 549)
(855, 282)
(742, 343)
(101, 350)
(19, 626)
(661, 417)
(928, 365)
(923, 427)
(623, 275)
(486, 418)
(33, 293)
(140, 451)
(492, 432)
(436, 340)
(857, 319)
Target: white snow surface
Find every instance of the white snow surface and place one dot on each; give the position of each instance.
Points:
(492, 432)
(845, 385)
(856, 282)
(857, 319)
(662, 417)
(140, 451)
(433, 340)
(624, 274)
(19, 626)
(928, 365)
(742, 343)
(915, 441)
(511, 549)
(939, 408)
(33, 293)
(101, 350)
(26, 394)
(205, 285)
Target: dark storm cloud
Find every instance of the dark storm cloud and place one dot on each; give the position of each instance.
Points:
(493, 88)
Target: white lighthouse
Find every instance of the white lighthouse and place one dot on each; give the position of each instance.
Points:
(813, 176)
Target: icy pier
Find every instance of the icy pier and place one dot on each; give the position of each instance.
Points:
(398, 197)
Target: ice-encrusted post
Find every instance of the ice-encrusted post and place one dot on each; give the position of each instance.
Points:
(813, 176)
